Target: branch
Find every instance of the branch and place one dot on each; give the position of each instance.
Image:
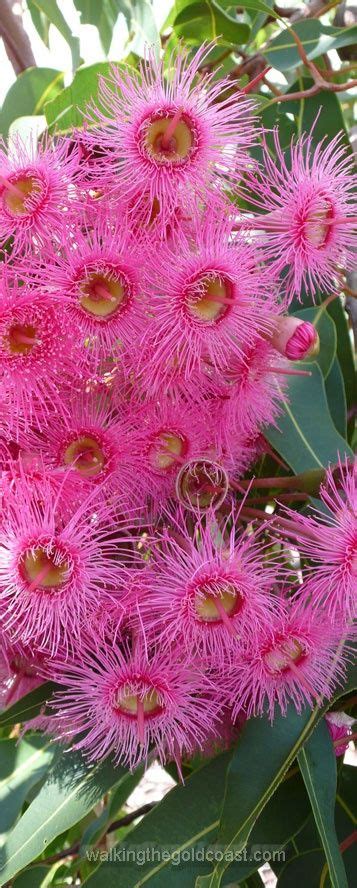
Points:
(16, 41)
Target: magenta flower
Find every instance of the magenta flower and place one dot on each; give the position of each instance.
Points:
(37, 353)
(329, 541)
(308, 213)
(95, 272)
(213, 588)
(54, 568)
(36, 191)
(124, 702)
(298, 659)
(171, 136)
(340, 728)
(207, 301)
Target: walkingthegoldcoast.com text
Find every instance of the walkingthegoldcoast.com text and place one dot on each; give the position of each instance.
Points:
(176, 856)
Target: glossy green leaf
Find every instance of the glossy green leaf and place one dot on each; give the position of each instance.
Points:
(28, 706)
(34, 877)
(51, 9)
(22, 764)
(143, 26)
(320, 116)
(316, 38)
(208, 21)
(72, 788)
(303, 869)
(281, 819)
(266, 751)
(40, 21)
(103, 15)
(27, 96)
(299, 438)
(99, 826)
(327, 333)
(64, 112)
(336, 397)
(345, 356)
(186, 818)
(317, 761)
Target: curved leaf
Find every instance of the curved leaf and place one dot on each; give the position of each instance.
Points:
(72, 788)
(28, 94)
(206, 20)
(22, 765)
(316, 38)
(317, 761)
(28, 706)
(302, 441)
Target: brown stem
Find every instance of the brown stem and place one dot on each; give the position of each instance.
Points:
(16, 41)
(281, 497)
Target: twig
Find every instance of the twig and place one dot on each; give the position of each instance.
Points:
(16, 41)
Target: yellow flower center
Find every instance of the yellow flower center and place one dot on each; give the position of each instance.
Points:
(317, 225)
(102, 295)
(17, 192)
(21, 339)
(214, 605)
(209, 299)
(169, 139)
(85, 455)
(43, 570)
(130, 704)
(167, 450)
(280, 658)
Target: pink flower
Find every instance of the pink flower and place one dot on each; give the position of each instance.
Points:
(174, 136)
(19, 671)
(207, 302)
(250, 390)
(213, 588)
(94, 440)
(37, 352)
(309, 205)
(340, 728)
(295, 339)
(95, 272)
(329, 540)
(36, 191)
(298, 659)
(54, 568)
(123, 702)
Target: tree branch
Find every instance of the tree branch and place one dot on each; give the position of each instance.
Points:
(16, 41)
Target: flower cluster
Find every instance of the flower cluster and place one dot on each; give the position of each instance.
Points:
(143, 331)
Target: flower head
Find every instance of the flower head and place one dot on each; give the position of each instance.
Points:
(171, 136)
(37, 188)
(55, 567)
(123, 701)
(297, 658)
(309, 205)
(213, 588)
(328, 539)
(37, 352)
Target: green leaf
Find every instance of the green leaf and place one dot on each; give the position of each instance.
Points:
(32, 878)
(265, 751)
(321, 115)
(22, 764)
(54, 15)
(72, 788)
(345, 355)
(299, 438)
(281, 819)
(187, 817)
(317, 761)
(64, 112)
(143, 26)
(336, 397)
(316, 38)
(28, 707)
(207, 21)
(304, 869)
(40, 22)
(103, 15)
(28, 94)
(98, 827)
(327, 333)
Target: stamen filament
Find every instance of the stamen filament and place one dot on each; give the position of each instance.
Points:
(223, 615)
(165, 141)
(140, 720)
(11, 187)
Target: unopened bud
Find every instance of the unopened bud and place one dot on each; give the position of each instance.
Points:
(295, 339)
(340, 727)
